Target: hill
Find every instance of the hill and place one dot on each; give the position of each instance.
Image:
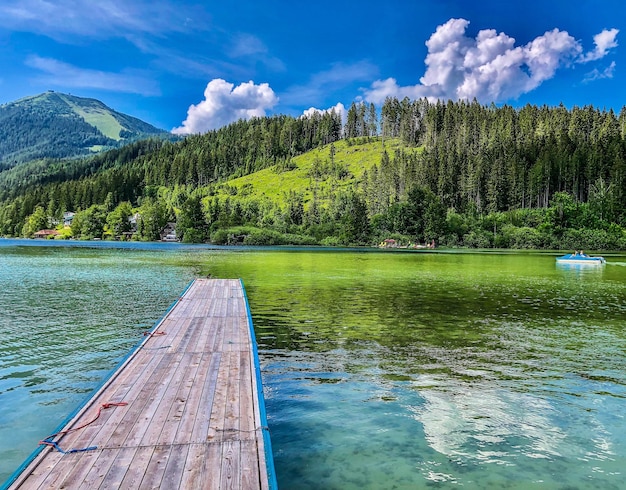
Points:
(320, 172)
(57, 125)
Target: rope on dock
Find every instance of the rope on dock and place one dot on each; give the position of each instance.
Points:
(48, 441)
(242, 431)
(58, 448)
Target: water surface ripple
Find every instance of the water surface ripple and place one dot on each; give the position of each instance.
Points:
(412, 371)
(380, 370)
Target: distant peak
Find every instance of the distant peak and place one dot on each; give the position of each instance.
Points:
(58, 125)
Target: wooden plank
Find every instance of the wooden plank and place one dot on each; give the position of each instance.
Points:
(260, 446)
(250, 471)
(216, 338)
(173, 474)
(192, 398)
(194, 472)
(213, 474)
(218, 410)
(231, 467)
(172, 334)
(112, 427)
(246, 400)
(78, 469)
(138, 398)
(179, 405)
(202, 421)
(191, 419)
(146, 433)
(99, 469)
(156, 468)
(230, 425)
(118, 469)
(40, 476)
(131, 429)
(137, 470)
(205, 335)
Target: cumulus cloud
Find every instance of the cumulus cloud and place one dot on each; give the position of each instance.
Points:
(604, 42)
(490, 67)
(381, 89)
(224, 103)
(58, 73)
(339, 108)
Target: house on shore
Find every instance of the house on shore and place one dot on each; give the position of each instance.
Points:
(68, 216)
(45, 234)
(168, 234)
(389, 243)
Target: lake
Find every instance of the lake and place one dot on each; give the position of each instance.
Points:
(381, 369)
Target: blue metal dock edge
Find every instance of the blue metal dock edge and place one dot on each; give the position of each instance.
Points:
(267, 443)
(15, 475)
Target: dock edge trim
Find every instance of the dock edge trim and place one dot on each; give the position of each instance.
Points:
(267, 443)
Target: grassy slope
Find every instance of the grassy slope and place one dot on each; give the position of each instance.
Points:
(98, 117)
(274, 185)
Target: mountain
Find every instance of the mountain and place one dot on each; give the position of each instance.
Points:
(57, 125)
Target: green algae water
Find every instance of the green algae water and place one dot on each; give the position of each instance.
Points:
(380, 370)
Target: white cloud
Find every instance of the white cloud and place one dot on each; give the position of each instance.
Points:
(224, 103)
(596, 74)
(339, 108)
(154, 27)
(149, 25)
(604, 42)
(381, 89)
(100, 19)
(58, 73)
(489, 67)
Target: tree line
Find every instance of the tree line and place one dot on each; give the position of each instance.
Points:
(467, 175)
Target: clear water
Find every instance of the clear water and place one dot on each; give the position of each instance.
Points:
(381, 370)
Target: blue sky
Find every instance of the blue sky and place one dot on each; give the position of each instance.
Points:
(193, 66)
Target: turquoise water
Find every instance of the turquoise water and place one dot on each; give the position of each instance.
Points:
(380, 370)
(68, 316)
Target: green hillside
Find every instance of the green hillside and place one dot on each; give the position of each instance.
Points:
(317, 171)
(98, 116)
(56, 125)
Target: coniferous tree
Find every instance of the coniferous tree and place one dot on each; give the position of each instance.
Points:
(351, 127)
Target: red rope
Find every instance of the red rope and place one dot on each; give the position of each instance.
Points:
(151, 334)
(104, 406)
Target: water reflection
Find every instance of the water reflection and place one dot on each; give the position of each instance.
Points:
(486, 423)
(380, 370)
(468, 358)
(582, 268)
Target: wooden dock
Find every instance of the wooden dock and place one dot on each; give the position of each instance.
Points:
(184, 411)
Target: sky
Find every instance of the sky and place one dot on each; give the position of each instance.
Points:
(192, 66)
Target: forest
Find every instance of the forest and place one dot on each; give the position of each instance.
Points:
(57, 125)
(459, 173)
